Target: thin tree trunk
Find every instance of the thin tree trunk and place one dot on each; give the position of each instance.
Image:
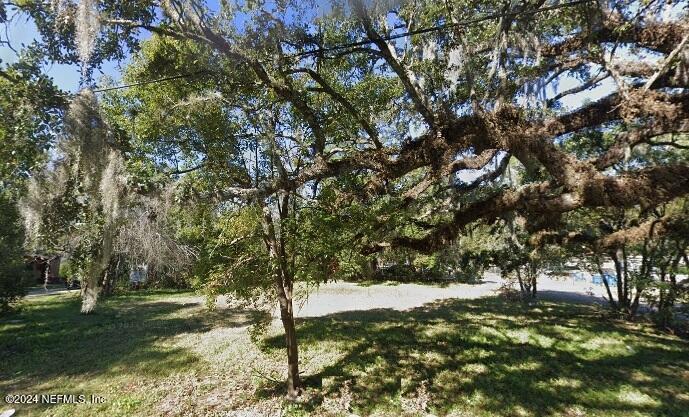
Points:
(287, 317)
(663, 296)
(46, 274)
(284, 280)
(625, 287)
(611, 301)
(666, 302)
(107, 283)
(283, 283)
(621, 301)
(635, 304)
(522, 289)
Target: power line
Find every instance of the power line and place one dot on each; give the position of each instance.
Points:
(367, 41)
(157, 80)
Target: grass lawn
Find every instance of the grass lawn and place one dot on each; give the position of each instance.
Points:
(164, 353)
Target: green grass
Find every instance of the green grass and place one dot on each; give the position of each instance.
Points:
(162, 353)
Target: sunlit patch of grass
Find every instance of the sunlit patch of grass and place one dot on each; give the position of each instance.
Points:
(123, 352)
(607, 346)
(475, 369)
(634, 397)
(520, 336)
(564, 382)
(528, 365)
(543, 341)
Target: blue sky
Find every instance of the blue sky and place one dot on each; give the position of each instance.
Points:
(22, 31)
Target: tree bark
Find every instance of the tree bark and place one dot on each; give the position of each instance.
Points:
(90, 288)
(626, 287)
(107, 283)
(284, 283)
(621, 300)
(287, 317)
(611, 301)
(522, 289)
(89, 293)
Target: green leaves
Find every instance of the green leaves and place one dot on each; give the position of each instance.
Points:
(13, 274)
(30, 110)
(232, 258)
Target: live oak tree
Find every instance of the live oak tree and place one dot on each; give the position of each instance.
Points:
(426, 103)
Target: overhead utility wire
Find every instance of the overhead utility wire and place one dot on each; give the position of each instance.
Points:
(157, 80)
(369, 41)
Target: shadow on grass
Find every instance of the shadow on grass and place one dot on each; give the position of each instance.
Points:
(553, 295)
(490, 357)
(49, 338)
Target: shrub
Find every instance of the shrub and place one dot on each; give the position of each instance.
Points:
(13, 274)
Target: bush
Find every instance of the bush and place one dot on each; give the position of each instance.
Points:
(11, 287)
(13, 274)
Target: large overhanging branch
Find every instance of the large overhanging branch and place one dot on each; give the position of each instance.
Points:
(659, 36)
(647, 187)
(512, 133)
(652, 228)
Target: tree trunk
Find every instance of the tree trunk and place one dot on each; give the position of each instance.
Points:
(91, 288)
(626, 282)
(46, 274)
(107, 283)
(664, 303)
(611, 301)
(522, 289)
(621, 300)
(89, 293)
(284, 283)
(635, 304)
(287, 317)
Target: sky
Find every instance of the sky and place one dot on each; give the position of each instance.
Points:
(21, 31)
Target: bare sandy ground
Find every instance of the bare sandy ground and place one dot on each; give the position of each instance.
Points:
(346, 296)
